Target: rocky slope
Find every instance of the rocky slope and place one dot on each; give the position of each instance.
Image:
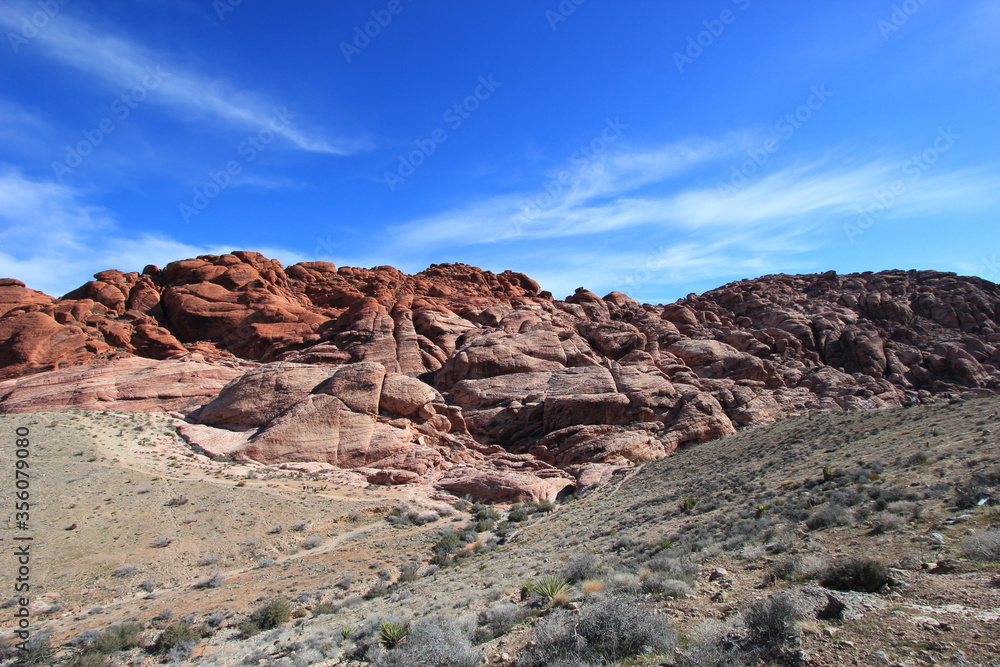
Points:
(477, 383)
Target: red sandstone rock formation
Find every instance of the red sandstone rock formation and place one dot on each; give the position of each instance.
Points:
(481, 381)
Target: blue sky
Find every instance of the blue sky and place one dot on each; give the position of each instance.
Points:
(651, 147)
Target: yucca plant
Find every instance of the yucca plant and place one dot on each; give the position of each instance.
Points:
(391, 634)
(550, 586)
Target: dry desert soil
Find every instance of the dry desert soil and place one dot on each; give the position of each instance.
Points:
(132, 532)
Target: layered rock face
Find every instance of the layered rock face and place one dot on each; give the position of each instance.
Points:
(480, 383)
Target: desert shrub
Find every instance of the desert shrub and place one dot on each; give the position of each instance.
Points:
(209, 559)
(89, 659)
(613, 629)
(125, 571)
(543, 506)
(213, 581)
(120, 637)
(554, 642)
(906, 508)
(435, 642)
(664, 584)
(625, 582)
(770, 623)
(177, 501)
(37, 651)
(164, 615)
(448, 544)
(178, 635)
(581, 566)
(162, 542)
(715, 644)
(498, 620)
(403, 515)
(832, 514)
(482, 526)
(379, 590)
(324, 608)
(407, 575)
(269, 615)
(798, 568)
(312, 542)
(855, 574)
(368, 637)
(969, 495)
(215, 620)
(517, 514)
(984, 545)
(680, 569)
(885, 522)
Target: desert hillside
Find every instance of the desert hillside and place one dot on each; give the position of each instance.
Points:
(706, 546)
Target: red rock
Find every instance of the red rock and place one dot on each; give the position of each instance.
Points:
(503, 486)
(496, 358)
(126, 384)
(407, 396)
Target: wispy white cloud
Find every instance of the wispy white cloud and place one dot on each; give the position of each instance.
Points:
(61, 240)
(121, 64)
(643, 220)
(629, 191)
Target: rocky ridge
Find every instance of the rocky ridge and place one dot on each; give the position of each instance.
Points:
(477, 383)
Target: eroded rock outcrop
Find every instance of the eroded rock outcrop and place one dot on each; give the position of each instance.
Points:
(478, 382)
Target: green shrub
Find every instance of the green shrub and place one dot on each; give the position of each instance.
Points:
(379, 590)
(266, 617)
(89, 659)
(517, 515)
(324, 608)
(177, 634)
(448, 544)
(855, 574)
(120, 637)
(392, 634)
